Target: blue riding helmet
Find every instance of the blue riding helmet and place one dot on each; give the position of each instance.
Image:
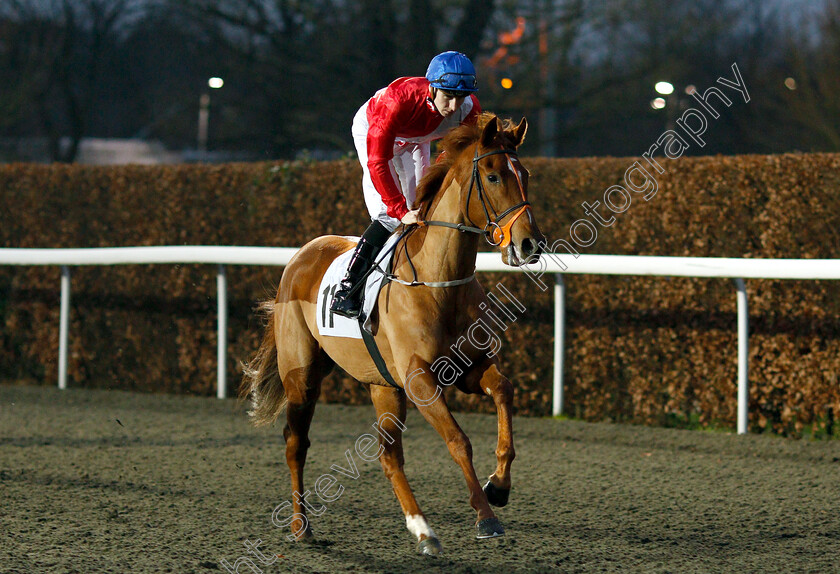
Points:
(452, 72)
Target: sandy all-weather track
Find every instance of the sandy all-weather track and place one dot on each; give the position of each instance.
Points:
(110, 481)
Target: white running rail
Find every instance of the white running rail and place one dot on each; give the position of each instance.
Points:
(550, 265)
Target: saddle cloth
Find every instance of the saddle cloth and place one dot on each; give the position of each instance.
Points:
(332, 325)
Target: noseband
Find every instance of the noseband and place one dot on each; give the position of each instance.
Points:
(495, 233)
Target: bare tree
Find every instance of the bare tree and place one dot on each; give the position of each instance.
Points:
(589, 68)
(55, 58)
(312, 64)
(297, 70)
(809, 103)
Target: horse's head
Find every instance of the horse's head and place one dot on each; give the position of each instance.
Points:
(496, 198)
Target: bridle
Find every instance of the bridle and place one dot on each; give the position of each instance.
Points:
(493, 232)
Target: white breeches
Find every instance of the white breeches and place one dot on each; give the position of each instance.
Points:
(408, 165)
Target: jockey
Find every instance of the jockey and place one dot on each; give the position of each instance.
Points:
(392, 132)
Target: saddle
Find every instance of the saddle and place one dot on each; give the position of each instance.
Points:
(333, 325)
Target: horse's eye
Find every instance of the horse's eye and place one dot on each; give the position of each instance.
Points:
(493, 178)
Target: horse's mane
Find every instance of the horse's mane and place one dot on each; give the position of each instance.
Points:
(450, 147)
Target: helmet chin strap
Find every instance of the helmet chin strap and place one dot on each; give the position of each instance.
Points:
(434, 92)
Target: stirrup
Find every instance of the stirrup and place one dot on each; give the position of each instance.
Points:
(345, 306)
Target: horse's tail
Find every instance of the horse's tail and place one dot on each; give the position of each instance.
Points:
(261, 380)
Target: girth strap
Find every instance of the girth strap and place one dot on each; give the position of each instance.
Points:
(373, 350)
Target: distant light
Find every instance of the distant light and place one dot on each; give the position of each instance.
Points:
(790, 83)
(664, 88)
(507, 83)
(690, 89)
(658, 103)
(215, 82)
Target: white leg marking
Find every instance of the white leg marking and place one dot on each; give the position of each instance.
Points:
(418, 526)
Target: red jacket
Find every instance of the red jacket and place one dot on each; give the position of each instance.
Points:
(404, 112)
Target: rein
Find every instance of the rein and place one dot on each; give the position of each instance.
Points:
(493, 232)
(414, 282)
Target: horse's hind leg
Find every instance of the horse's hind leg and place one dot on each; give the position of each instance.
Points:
(303, 365)
(296, 432)
(390, 413)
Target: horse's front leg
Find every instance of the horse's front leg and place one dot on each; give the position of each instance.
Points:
(390, 406)
(422, 388)
(491, 382)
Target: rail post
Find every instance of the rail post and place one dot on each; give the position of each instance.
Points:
(743, 357)
(63, 327)
(221, 350)
(559, 341)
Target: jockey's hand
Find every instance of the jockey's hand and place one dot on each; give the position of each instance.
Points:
(412, 216)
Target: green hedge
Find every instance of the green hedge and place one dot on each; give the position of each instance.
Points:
(639, 349)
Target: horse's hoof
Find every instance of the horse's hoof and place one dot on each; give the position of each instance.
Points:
(305, 536)
(430, 546)
(495, 495)
(489, 528)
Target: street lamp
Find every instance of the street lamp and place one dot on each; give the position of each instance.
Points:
(667, 99)
(664, 88)
(204, 112)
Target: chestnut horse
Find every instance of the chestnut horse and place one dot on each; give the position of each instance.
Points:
(420, 316)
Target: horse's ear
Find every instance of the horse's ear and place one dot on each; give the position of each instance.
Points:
(519, 132)
(490, 131)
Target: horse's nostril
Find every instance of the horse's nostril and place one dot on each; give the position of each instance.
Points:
(528, 247)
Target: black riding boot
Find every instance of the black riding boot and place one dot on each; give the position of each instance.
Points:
(347, 301)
